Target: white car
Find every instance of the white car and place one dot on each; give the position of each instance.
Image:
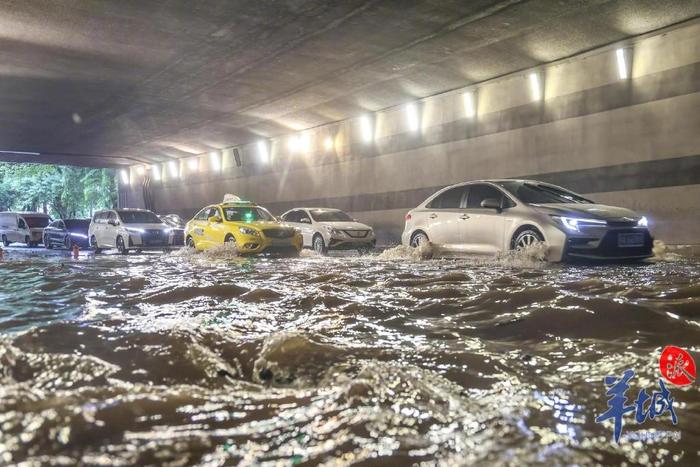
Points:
(326, 229)
(493, 216)
(23, 227)
(126, 229)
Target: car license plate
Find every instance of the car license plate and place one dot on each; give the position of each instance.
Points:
(630, 239)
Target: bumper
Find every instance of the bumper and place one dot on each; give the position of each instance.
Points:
(139, 244)
(354, 244)
(251, 244)
(608, 246)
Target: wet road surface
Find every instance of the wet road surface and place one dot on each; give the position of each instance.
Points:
(215, 359)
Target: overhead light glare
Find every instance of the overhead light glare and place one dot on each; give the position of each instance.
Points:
(621, 64)
(215, 160)
(140, 170)
(412, 117)
(293, 144)
(469, 105)
(155, 172)
(193, 164)
(328, 143)
(173, 166)
(125, 176)
(535, 86)
(366, 128)
(263, 152)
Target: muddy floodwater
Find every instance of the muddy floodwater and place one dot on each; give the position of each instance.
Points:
(214, 359)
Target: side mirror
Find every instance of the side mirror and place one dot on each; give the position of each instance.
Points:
(214, 219)
(305, 220)
(491, 203)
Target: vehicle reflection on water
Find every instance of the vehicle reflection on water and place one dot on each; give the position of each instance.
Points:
(213, 358)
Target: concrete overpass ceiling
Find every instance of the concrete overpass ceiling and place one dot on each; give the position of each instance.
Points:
(108, 83)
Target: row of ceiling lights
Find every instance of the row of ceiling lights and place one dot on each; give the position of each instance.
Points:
(301, 143)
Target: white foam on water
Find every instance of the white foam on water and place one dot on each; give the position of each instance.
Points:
(217, 252)
(404, 252)
(662, 253)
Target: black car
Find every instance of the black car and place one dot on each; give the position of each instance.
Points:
(64, 233)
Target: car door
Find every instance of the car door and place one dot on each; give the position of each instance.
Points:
(22, 230)
(199, 223)
(484, 229)
(109, 231)
(444, 217)
(58, 233)
(216, 230)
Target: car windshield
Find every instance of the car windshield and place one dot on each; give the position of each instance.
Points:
(36, 222)
(138, 217)
(247, 214)
(77, 224)
(325, 215)
(540, 193)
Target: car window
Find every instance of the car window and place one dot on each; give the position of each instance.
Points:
(213, 212)
(480, 192)
(541, 193)
(112, 216)
(330, 215)
(138, 217)
(247, 214)
(294, 216)
(59, 225)
(450, 199)
(202, 215)
(37, 221)
(21, 224)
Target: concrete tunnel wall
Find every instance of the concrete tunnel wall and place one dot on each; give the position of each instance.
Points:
(631, 142)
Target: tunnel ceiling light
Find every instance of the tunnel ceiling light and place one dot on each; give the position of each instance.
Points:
(193, 164)
(328, 143)
(366, 128)
(263, 152)
(535, 86)
(293, 144)
(215, 160)
(125, 176)
(21, 153)
(140, 170)
(622, 70)
(304, 143)
(172, 165)
(469, 104)
(155, 172)
(412, 118)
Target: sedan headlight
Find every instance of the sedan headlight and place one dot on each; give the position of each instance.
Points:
(79, 235)
(333, 231)
(643, 222)
(249, 231)
(573, 224)
(135, 230)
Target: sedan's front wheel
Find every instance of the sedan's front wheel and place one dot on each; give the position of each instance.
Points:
(320, 246)
(527, 238)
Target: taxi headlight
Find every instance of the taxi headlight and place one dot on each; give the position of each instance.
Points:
(249, 231)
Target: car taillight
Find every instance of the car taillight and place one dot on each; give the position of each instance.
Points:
(408, 216)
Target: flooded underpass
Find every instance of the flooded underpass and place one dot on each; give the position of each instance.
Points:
(215, 359)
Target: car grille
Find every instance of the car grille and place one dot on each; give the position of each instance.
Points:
(608, 246)
(178, 237)
(154, 237)
(622, 223)
(279, 233)
(356, 233)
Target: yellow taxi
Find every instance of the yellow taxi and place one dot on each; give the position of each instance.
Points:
(250, 227)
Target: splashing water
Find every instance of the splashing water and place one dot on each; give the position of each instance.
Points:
(210, 358)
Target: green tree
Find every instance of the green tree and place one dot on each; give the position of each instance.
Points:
(60, 191)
